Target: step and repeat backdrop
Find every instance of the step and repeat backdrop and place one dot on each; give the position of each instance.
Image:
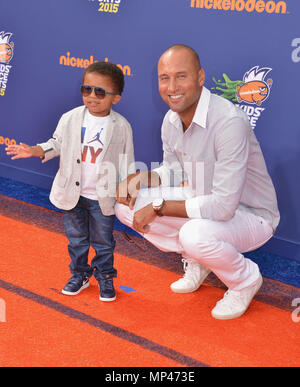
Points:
(243, 45)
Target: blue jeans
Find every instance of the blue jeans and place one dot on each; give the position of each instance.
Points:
(86, 226)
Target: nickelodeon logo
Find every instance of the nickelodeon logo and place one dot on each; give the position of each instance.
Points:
(7, 141)
(242, 5)
(68, 60)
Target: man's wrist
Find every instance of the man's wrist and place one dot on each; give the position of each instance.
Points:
(158, 205)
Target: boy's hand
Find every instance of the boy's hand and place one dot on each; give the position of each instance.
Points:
(122, 195)
(20, 151)
(23, 151)
(128, 190)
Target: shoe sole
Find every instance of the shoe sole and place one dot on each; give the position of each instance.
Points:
(232, 316)
(86, 285)
(107, 299)
(189, 290)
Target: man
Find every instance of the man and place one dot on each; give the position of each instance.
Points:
(223, 202)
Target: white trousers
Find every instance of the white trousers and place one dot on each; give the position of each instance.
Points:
(216, 245)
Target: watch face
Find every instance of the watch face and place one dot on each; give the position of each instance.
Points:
(157, 202)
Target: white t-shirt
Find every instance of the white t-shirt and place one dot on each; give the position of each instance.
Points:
(93, 133)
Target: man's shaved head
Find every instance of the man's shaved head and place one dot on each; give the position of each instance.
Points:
(189, 50)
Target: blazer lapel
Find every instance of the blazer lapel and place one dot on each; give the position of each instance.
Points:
(76, 125)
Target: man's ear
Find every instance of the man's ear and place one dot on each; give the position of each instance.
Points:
(201, 77)
(116, 99)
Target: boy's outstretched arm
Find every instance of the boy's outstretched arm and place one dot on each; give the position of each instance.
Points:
(23, 151)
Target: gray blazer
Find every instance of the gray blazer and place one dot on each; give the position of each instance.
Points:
(115, 163)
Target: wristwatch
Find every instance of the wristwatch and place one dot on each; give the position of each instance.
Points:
(157, 206)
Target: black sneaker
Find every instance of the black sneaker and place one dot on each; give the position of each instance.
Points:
(107, 290)
(76, 284)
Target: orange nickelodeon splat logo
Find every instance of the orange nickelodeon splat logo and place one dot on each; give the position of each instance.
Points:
(254, 89)
(6, 47)
(6, 54)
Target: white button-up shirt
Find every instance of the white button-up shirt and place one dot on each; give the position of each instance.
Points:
(220, 159)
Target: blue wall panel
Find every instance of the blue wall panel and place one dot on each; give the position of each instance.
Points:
(52, 40)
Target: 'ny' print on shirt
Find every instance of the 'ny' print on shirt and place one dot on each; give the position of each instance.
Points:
(92, 148)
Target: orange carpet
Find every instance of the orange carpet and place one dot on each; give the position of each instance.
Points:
(148, 326)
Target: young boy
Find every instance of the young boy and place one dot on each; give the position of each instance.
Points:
(96, 153)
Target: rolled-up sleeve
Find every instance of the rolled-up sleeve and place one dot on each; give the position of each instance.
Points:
(52, 147)
(192, 207)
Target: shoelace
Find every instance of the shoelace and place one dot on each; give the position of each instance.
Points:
(231, 299)
(74, 279)
(185, 267)
(186, 264)
(107, 284)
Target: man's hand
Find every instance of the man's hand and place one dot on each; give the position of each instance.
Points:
(142, 218)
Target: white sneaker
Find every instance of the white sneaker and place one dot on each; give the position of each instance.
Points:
(234, 304)
(194, 275)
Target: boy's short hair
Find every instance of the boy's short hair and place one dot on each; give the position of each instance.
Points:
(109, 69)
